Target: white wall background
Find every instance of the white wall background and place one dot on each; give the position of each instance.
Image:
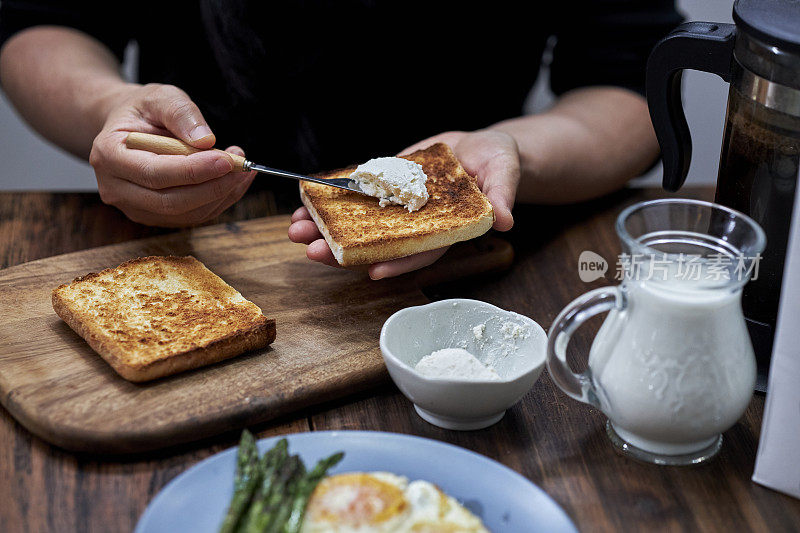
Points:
(30, 163)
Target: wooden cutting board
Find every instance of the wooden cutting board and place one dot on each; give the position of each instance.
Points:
(328, 322)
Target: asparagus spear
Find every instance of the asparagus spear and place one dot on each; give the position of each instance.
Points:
(245, 481)
(304, 490)
(272, 484)
(271, 494)
(266, 521)
(284, 507)
(265, 468)
(246, 457)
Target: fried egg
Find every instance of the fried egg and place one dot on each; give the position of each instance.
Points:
(380, 502)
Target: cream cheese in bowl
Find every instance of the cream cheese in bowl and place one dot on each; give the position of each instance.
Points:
(455, 363)
(462, 362)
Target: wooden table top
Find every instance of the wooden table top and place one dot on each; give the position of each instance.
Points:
(556, 442)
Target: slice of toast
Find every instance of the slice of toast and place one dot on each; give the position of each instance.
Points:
(359, 231)
(155, 316)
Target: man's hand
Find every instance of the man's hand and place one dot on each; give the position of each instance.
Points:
(164, 190)
(491, 156)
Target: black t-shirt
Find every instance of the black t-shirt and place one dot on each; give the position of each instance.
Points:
(313, 85)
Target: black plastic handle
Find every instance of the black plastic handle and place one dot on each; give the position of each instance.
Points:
(705, 46)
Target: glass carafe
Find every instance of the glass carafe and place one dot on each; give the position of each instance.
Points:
(672, 366)
(759, 56)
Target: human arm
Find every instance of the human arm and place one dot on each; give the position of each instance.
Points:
(589, 143)
(67, 85)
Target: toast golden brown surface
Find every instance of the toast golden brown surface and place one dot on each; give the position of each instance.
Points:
(359, 231)
(155, 316)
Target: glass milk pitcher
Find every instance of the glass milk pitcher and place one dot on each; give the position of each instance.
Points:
(672, 366)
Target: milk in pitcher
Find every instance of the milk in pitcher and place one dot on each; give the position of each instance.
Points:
(675, 365)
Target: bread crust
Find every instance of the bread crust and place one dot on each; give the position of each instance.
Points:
(360, 232)
(393, 249)
(257, 332)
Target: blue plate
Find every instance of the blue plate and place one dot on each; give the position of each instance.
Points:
(506, 502)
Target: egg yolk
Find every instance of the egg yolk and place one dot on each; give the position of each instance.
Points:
(355, 500)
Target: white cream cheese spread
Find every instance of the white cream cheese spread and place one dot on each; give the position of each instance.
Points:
(393, 180)
(455, 363)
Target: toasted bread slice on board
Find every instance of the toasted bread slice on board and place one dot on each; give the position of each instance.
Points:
(155, 316)
(359, 231)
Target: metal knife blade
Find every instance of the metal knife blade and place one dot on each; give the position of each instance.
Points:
(341, 183)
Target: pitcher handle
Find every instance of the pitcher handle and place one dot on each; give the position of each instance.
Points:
(578, 386)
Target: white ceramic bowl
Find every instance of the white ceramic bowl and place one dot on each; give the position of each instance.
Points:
(414, 332)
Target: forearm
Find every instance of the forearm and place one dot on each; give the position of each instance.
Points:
(63, 82)
(591, 142)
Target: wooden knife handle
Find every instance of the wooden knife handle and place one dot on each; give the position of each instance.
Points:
(158, 144)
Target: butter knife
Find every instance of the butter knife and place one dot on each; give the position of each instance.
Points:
(159, 144)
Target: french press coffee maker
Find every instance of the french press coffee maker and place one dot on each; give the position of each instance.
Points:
(759, 56)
